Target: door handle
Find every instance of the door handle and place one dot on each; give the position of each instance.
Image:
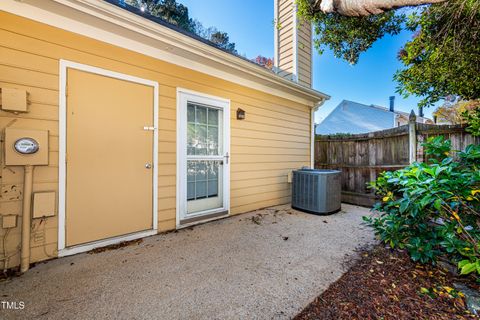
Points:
(148, 165)
(227, 156)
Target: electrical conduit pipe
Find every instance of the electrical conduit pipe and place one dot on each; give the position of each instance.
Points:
(26, 218)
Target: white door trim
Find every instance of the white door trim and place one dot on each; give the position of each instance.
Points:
(181, 203)
(64, 65)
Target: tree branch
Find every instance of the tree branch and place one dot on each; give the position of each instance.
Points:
(355, 8)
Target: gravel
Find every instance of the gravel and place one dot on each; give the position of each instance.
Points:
(266, 264)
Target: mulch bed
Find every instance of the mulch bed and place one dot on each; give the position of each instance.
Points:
(386, 284)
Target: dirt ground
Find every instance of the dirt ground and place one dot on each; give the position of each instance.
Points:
(267, 264)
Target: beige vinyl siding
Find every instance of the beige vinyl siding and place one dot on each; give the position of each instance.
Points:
(286, 24)
(305, 57)
(285, 45)
(286, 51)
(286, 16)
(305, 54)
(285, 7)
(272, 140)
(285, 38)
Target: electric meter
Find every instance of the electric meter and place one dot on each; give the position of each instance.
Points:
(26, 146)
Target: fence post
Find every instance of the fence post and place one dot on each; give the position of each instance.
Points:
(412, 138)
(372, 157)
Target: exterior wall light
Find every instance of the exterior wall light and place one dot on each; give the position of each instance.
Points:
(240, 114)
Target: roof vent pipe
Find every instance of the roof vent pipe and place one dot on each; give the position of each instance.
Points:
(392, 103)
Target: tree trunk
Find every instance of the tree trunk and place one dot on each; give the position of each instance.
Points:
(366, 7)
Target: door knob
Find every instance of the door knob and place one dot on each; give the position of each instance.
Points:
(148, 165)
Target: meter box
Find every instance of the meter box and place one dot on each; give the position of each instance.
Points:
(43, 204)
(14, 99)
(9, 221)
(26, 147)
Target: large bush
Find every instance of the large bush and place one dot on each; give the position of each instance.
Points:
(433, 209)
(471, 115)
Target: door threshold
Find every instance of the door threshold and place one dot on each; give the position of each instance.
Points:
(103, 243)
(202, 219)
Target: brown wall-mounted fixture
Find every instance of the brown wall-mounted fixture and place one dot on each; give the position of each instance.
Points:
(14, 100)
(240, 114)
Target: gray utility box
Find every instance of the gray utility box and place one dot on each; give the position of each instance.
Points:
(316, 191)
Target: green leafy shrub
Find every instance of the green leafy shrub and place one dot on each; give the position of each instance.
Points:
(437, 148)
(472, 117)
(433, 209)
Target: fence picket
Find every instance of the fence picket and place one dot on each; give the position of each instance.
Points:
(362, 157)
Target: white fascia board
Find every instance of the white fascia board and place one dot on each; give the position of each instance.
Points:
(108, 23)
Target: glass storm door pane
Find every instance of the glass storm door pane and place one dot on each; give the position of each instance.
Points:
(204, 158)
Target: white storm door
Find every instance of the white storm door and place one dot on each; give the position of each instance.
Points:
(203, 159)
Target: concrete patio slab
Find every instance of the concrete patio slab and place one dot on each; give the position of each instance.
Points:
(267, 264)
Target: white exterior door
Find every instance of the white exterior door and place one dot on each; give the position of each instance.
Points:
(203, 157)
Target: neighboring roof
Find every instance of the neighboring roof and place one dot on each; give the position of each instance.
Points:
(399, 113)
(419, 119)
(353, 117)
(112, 24)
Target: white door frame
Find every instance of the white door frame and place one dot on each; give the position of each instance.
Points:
(62, 168)
(182, 95)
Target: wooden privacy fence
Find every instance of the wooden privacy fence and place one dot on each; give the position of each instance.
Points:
(361, 157)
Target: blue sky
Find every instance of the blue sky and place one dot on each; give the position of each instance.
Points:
(249, 24)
